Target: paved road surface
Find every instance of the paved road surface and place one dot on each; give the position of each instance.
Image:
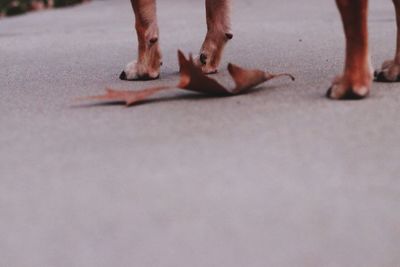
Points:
(277, 177)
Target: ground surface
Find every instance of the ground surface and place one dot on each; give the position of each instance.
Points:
(277, 177)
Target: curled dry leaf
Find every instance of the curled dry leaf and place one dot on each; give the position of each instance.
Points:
(193, 79)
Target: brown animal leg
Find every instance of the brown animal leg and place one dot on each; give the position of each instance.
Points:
(147, 66)
(390, 71)
(218, 34)
(357, 78)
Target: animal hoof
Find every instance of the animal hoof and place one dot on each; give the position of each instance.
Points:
(388, 73)
(229, 35)
(379, 76)
(350, 94)
(203, 58)
(123, 76)
(137, 72)
(329, 92)
(154, 40)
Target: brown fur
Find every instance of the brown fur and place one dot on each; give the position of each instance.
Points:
(390, 71)
(357, 75)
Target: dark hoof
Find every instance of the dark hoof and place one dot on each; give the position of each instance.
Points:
(123, 76)
(153, 40)
(229, 35)
(379, 76)
(141, 78)
(203, 58)
(328, 93)
(148, 78)
(349, 95)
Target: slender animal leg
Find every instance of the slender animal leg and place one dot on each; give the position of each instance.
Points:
(147, 66)
(357, 77)
(390, 71)
(218, 34)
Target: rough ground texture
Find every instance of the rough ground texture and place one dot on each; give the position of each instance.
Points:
(277, 177)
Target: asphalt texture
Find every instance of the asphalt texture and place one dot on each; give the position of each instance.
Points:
(280, 176)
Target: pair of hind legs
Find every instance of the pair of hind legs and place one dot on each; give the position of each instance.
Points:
(357, 76)
(354, 83)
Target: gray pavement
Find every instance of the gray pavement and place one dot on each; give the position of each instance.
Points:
(277, 177)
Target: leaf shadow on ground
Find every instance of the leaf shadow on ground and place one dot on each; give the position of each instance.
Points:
(184, 95)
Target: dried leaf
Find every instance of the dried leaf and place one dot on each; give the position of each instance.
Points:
(193, 79)
(247, 79)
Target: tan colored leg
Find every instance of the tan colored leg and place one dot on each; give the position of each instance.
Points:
(218, 34)
(356, 80)
(390, 71)
(147, 66)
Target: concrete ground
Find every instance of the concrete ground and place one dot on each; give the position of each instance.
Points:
(277, 177)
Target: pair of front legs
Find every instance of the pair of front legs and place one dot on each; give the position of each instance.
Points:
(147, 66)
(354, 83)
